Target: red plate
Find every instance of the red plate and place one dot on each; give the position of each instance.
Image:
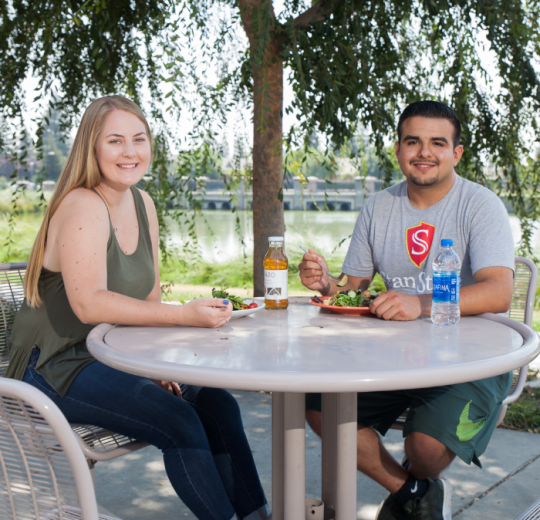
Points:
(351, 311)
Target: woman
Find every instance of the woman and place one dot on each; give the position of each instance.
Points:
(95, 260)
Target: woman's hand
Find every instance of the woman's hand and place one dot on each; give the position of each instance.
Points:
(205, 312)
(172, 388)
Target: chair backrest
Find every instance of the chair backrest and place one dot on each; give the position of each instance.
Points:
(523, 295)
(44, 470)
(521, 309)
(11, 298)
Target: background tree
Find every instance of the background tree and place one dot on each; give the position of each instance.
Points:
(350, 63)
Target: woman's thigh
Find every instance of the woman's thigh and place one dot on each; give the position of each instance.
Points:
(126, 404)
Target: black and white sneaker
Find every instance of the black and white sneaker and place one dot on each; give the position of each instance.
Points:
(436, 504)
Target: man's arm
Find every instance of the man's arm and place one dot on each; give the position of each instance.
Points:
(491, 292)
(314, 278)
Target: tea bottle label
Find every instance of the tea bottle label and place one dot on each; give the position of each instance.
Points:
(275, 284)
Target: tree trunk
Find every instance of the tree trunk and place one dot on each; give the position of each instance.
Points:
(267, 142)
(267, 168)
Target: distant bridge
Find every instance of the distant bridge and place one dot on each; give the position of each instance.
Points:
(340, 195)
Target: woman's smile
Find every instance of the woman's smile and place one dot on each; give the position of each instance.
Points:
(128, 166)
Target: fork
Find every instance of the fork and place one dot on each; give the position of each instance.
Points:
(322, 267)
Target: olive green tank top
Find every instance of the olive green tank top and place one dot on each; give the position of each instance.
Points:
(54, 328)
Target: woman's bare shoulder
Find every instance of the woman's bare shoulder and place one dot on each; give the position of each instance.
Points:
(82, 196)
(81, 203)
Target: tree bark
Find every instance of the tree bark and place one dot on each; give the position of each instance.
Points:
(267, 140)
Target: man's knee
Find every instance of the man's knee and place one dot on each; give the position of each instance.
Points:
(427, 453)
(420, 445)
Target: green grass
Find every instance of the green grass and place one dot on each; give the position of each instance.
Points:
(524, 414)
(236, 273)
(28, 202)
(23, 236)
(27, 222)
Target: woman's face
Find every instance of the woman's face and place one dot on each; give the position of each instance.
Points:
(123, 150)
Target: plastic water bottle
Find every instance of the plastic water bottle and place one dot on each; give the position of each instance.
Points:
(446, 283)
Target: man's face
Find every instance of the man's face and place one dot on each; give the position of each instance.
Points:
(426, 153)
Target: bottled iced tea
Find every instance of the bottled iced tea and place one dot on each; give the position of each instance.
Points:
(276, 275)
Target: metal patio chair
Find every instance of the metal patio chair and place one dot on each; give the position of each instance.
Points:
(45, 475)
(96, 443)
(533, 512)
(521, 309)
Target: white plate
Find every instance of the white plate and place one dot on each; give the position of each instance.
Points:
(235, 314)
(246, 312)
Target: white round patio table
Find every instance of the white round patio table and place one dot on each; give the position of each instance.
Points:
(308, 349)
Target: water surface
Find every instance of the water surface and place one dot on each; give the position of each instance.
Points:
(220, 239)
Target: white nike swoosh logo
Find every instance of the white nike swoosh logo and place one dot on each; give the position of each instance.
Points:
(415, 488)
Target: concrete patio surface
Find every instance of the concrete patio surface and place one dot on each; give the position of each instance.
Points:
(135, 487)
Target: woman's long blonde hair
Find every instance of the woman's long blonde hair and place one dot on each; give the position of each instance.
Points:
(81, 171)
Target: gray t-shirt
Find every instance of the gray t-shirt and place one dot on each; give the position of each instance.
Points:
(400, 242)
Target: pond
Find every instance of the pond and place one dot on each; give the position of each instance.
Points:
(220, 239)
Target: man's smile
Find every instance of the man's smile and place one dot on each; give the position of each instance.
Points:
(424, 165)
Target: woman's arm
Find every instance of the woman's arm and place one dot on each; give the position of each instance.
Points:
(81, 241)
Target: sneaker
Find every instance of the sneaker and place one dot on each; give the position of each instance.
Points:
(391, 509)
(436, 504)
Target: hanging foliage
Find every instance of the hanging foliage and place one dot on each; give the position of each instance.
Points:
(194, 64)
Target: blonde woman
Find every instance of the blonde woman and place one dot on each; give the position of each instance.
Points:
(95, 260)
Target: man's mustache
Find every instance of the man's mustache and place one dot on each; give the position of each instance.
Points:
(436, 163)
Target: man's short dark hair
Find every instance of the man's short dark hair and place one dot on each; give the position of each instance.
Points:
(432, 109)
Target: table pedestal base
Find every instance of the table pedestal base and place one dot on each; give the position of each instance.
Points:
(289, 455)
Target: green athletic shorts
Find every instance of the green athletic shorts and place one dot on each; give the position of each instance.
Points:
(461, 416)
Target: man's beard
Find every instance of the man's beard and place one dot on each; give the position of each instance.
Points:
(422, 181)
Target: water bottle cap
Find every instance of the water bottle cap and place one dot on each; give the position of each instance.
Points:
(447, 242)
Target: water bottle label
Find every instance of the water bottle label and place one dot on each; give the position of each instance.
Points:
(275, 284)
(446, 287)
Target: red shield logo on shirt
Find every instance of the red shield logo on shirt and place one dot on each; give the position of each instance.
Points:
(419, 239)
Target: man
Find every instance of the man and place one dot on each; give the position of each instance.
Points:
(398, 234)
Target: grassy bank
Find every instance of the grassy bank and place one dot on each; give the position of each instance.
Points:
(236, 274)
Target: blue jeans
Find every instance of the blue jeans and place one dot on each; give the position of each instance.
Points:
(207, 456)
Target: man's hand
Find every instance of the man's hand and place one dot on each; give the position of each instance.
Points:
(172, 388)
(393, 305)
(311, 274)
